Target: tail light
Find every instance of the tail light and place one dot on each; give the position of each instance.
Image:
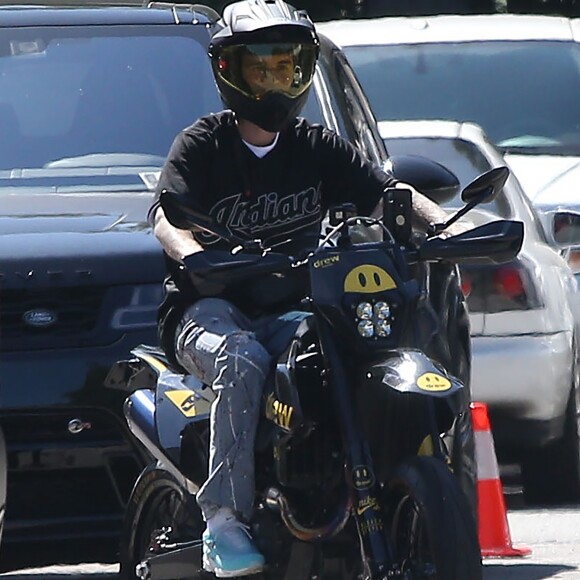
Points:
(508, 282)
(466, 284)
(500, 288)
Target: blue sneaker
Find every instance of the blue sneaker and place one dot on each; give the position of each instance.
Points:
(229, 551)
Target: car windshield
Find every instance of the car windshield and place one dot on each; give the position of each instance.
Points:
(97, 108)
(524, 94)
(461, 157)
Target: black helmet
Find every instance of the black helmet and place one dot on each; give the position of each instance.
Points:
(263, 55)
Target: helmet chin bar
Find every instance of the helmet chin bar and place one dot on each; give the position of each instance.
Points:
(271, 113)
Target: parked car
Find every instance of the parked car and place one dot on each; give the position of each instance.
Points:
(90, 101)
(523, 315)
(517, 76)
(323, 10)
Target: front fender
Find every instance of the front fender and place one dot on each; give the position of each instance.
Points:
(404, 398)
(412, 371)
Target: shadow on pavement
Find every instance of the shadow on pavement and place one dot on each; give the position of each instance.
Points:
(523, 571)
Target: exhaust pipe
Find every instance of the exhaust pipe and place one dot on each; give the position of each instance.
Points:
(139, 411)
(275, 500)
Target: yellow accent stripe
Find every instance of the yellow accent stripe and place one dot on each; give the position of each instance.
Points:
(155, 363)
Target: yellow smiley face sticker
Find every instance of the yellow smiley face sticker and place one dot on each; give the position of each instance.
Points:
(368, 279)
(433, 382)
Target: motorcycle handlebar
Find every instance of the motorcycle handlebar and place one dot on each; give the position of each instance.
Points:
(492, 243)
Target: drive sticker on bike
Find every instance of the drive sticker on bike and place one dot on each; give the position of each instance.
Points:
(184, 400)
(324, 262)
(362, 477)
(433, 382)
(368, 279)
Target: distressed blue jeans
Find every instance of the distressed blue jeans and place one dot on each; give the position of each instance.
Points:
(235, 355)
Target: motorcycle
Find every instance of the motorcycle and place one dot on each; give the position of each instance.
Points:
(353, 472)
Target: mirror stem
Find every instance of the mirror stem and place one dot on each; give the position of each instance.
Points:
(456, 216)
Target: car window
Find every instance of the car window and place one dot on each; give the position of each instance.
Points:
(79, 91)
(524, 94)
(333, 88)
(100, 97)
(359, 114)
(461, 157)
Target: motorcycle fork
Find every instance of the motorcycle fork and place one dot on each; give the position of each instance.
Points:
(438, 447)
(367, 508)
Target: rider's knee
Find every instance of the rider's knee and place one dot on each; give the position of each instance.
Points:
(246, 358)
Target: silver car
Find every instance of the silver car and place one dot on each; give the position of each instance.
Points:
(523, 325)
(517, 76)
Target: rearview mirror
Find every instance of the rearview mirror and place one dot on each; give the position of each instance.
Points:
(486, 187)
(482, 189)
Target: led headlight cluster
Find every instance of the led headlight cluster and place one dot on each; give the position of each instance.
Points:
(373, 320)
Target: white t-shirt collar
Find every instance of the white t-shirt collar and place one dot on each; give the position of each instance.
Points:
(261, 151)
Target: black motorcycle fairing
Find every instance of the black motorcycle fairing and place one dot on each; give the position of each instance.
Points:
(343, 279)
(282, 400)
(308, 447)
(167, 411)
(179, 401)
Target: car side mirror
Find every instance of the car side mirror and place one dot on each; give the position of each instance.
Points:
(432, 179)
(566, 228)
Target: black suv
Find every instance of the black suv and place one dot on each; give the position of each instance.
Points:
(90, 101)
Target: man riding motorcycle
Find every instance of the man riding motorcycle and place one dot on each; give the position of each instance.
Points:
(261, 172)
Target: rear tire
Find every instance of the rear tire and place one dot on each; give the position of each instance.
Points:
(551, 474)
(157, 501)
(430, 523)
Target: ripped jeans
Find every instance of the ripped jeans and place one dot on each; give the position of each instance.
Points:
(235, 355)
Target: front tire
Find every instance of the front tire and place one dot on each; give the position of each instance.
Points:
(157, 501)
(430, 523)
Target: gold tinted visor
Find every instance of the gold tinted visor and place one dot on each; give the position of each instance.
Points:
(257, 70)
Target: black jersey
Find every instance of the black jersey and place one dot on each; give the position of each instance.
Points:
(281, 196)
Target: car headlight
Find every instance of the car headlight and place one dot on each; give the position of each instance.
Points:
(141, 312)
(366, 328)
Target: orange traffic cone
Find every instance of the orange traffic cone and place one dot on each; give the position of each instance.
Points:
(494, 534)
